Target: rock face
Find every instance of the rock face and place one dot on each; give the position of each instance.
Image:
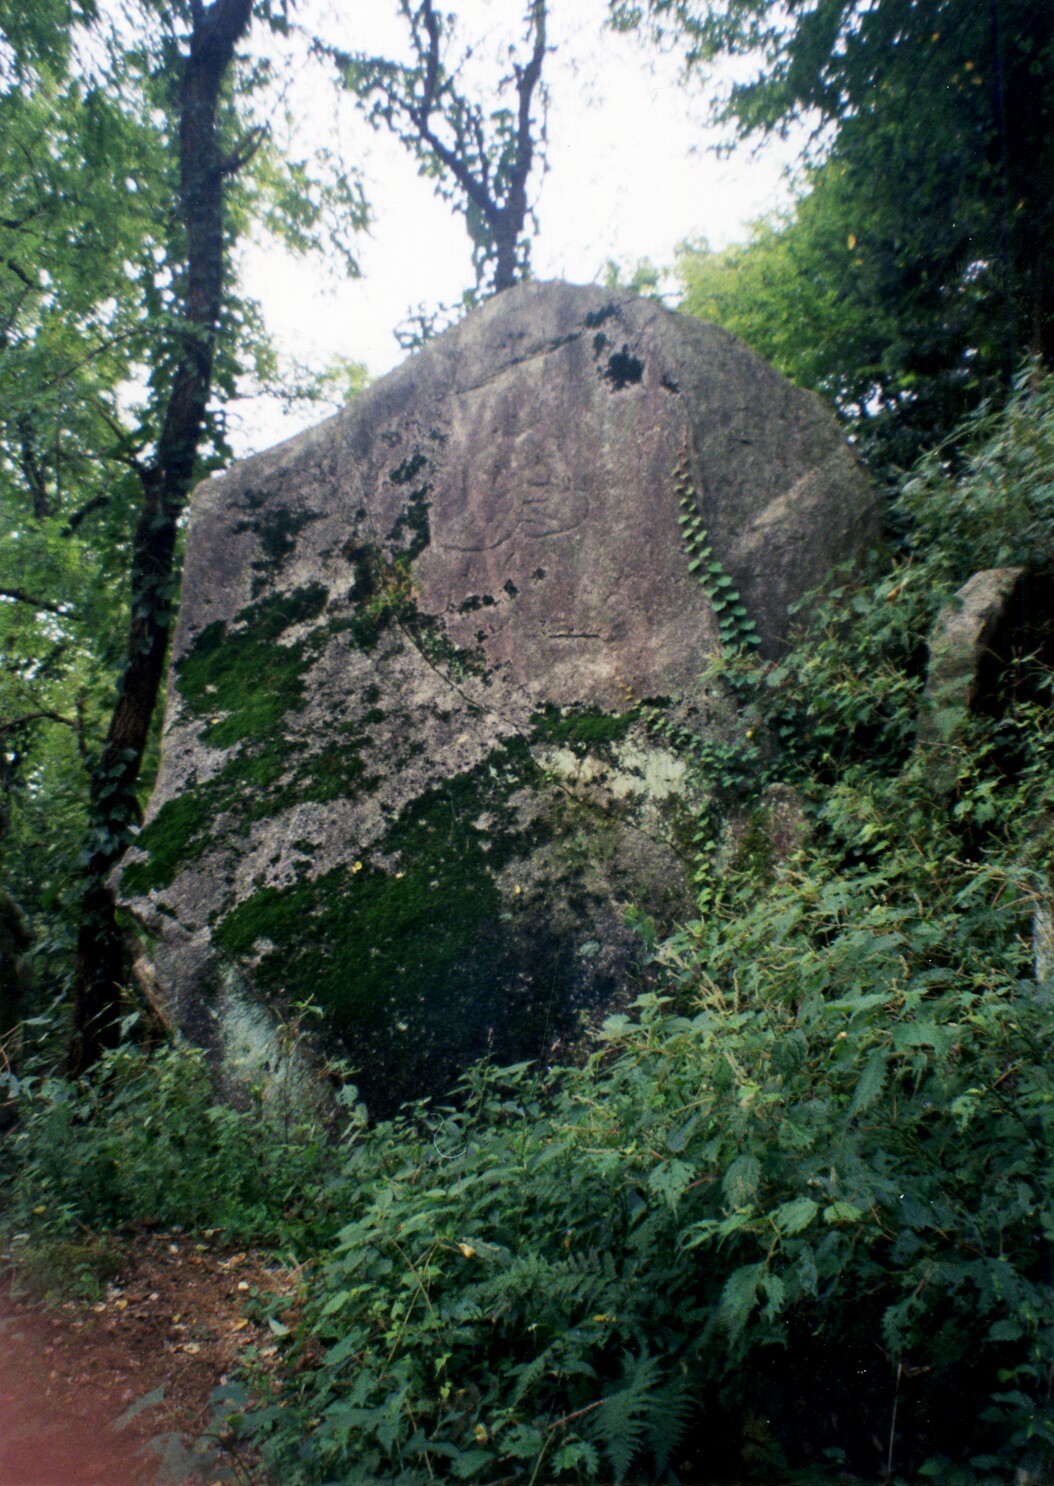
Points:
(405, 768)
(960, 647)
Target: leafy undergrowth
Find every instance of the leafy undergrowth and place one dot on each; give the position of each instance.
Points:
(793, 1218)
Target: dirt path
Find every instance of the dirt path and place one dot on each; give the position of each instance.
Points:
(167, 1332)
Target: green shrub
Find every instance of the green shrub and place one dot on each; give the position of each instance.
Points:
(147, 1139)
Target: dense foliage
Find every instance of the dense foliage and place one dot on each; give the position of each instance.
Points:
(918, 267)
(793, 1216)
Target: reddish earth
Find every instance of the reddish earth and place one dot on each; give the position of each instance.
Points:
(168, 1330)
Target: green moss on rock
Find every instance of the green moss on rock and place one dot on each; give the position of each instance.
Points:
(254, 684)
(277, 529)
(582, 726)
(412, 526)
(244, 673)
(178, 833)
(409, 959)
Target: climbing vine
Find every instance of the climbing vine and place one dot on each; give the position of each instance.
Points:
(727, 766)
(738, 631)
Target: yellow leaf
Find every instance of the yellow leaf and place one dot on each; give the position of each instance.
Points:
(851, 241)
(480, 1434)
(467, 1249)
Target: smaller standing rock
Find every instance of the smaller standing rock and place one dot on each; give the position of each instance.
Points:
(960, 645)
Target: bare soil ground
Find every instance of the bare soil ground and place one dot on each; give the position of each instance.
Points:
(169, 1329)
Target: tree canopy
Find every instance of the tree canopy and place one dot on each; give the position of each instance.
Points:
(932, 222)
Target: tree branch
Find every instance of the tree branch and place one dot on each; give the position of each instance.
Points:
(42, 716)
(32, 469)
(96, 503)
(243, 153)
(20, 596)
(20, 273)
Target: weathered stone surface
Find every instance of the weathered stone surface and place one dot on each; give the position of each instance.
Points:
(405, 770)
(960, 642)
(766, 836)
(962, 651)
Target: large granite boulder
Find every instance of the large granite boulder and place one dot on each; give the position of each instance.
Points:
(405, 768)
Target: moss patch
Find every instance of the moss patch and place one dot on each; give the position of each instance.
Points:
(410, 468)
(411, 530)
(245, 673)
(277, 528)
(597, 317)
(254, 785)
(179, 829)
(254, 683)
(584, 727)
(458, 662)
(410, 960)
(412, 527)
(623, 370)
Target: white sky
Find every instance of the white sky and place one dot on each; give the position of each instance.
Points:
(631, 175)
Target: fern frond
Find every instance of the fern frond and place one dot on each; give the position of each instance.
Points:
(624, 1418)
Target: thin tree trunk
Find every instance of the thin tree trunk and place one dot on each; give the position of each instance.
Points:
(166, 483)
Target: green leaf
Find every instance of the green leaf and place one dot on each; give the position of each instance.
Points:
(870, 1084)
(842, 1212)
(794, 1217)
(669, 1180)
(739, 1297)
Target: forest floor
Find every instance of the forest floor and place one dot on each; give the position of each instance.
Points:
(116, 1391)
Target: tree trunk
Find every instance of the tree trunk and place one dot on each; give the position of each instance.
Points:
(166, 482)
